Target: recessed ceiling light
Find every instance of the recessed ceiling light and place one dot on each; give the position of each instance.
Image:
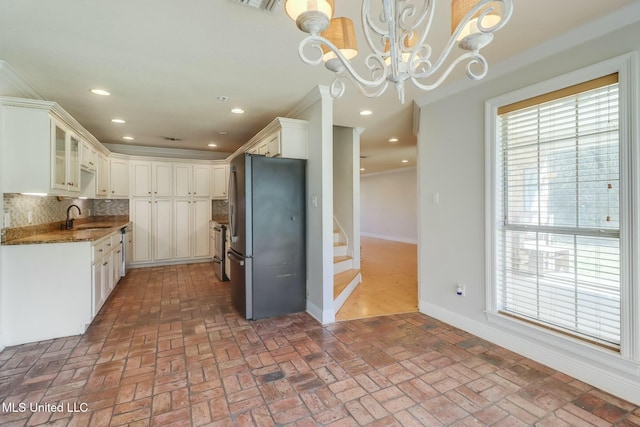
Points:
(237, 111)
(100, 92)
(362, 169)
(405, 161)
(212, 145)
(128, 138)
(223, 98)
(223, 132)
(393, 139)
(119, 121)
(366, 112)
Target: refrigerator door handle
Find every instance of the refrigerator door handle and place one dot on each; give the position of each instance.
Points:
(232, 256)
(233, 199)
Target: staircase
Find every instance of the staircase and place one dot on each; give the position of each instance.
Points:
(345, 277)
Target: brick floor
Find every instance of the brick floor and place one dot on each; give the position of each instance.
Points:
(167, 349)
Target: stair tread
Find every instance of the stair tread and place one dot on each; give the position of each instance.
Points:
(337, 259)
(342, 280)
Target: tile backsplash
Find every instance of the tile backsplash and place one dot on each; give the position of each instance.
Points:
(102, 207)
(219, 208)
(49, 209)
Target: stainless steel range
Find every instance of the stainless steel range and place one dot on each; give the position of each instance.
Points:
(218, 236)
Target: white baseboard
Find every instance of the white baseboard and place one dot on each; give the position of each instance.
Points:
(325, 317)
(392, 238)
(169, 262)
(346, 292)
(618, 383)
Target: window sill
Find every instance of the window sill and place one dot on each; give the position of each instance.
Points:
(564, 345)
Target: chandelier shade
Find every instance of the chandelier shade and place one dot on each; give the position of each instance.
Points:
(343, 35)
(460, 8)
(310, 15)
(397, 37)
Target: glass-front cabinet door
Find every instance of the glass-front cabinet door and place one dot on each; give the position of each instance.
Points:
(65, 164)
(73, 163)
(59, 153)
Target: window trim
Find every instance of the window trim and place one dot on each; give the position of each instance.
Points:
(626, 66)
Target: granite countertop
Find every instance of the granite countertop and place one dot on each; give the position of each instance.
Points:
(83, 231)
(221, 219)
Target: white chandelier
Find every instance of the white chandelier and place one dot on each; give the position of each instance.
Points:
(397, 39)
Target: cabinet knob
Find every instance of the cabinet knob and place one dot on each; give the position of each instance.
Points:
(189, 192)
(99, 250)
(155, 192)
(149, 192)
(105, 263)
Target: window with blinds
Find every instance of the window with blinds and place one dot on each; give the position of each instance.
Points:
(558, 202)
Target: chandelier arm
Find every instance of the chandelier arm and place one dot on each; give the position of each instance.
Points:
(474, 58)
(426, 14)
(369, 26)
(418, 62)
(338, 87)
(374, 62)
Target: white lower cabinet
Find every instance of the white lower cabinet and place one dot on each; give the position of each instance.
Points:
(142, 230)
(200, 227)
(182, 229)
(162, 226)
(62, 295)
(106, 269)
(191, 235)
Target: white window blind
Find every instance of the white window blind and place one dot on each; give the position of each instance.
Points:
(558, 198)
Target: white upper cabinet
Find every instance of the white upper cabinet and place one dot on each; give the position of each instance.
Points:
(102, 181)
(191, 180)
(281, 138)
(140, 179)
(65, 162)
(220, 174)
(161, 178)
(118, 178)
(42, 148)
(89, 157)
(150, 179)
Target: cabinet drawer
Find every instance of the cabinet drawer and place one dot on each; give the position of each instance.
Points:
(101, 248)
(116, 239)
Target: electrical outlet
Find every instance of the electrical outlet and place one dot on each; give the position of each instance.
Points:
(460, 290)
(88, 212)
(7, 219)
(30, 217)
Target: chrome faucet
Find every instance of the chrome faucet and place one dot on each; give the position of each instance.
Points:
(68, 224)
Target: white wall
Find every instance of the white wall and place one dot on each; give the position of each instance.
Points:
(452, 238)
(346, 186)
(317, 109)
(2, 345)
(388, 205)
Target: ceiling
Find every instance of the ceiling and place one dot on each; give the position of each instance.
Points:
(166, 63)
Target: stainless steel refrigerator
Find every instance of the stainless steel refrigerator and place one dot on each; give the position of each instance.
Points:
(267, 222)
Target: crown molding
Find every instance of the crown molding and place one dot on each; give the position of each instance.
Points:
(320, 92)
(615, 20)
(9, 75)
(173, 153)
